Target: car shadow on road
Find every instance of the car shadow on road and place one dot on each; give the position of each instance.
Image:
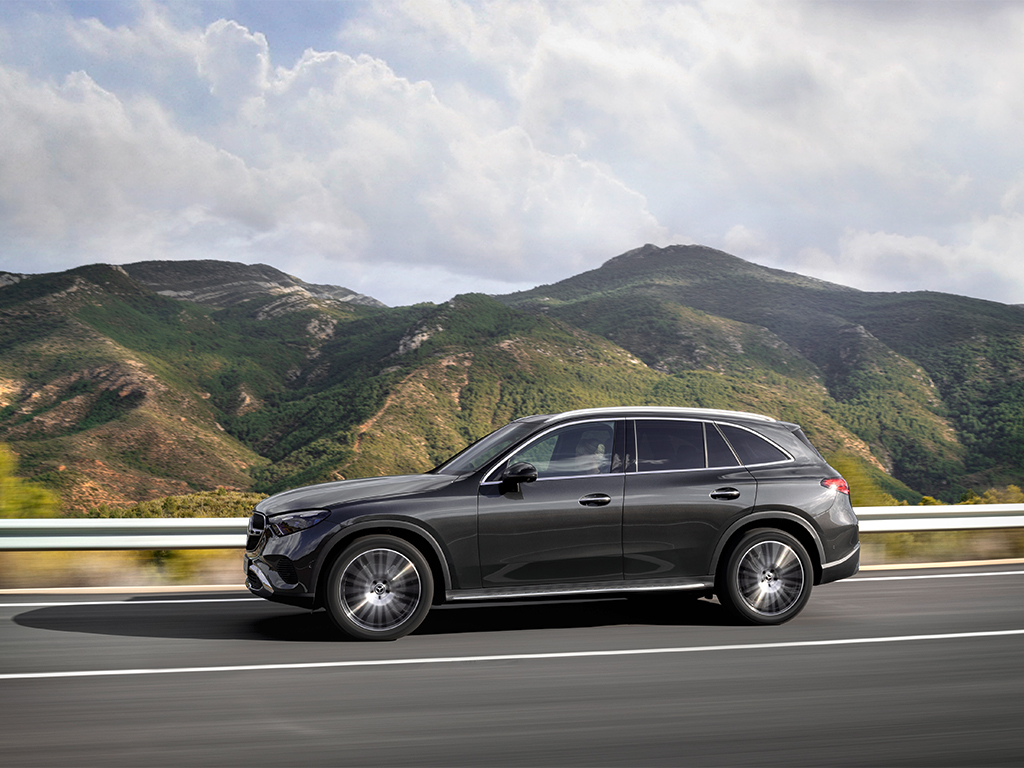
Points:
(208, 619)
(669, 610)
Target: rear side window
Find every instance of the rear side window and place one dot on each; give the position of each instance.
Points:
(664, 445)
(751, 448)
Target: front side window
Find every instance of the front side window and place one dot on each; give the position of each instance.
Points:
(579, 449)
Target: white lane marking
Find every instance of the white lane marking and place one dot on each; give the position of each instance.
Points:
(928, 576)
(133, 602)
(510, 656)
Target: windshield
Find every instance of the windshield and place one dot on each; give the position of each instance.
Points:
(480, 453)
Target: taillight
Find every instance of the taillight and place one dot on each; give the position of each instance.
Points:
(837, 484)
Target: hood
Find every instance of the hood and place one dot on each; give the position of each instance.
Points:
(331, 495)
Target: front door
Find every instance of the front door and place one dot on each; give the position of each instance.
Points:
(567, 525)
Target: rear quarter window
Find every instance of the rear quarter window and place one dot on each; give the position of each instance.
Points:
(751, 448)
(799, 433)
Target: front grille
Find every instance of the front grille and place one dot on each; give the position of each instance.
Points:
(257, 525)
(284, 567)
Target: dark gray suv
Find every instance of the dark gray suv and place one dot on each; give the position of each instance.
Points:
(604, 500)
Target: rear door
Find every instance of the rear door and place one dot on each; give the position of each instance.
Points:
(683, 486)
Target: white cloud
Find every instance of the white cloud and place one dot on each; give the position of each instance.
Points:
(234, 61)
(749, 244)
(886, 261)
(336, 156)
(153, 37)
(81, 162)
(878, 143)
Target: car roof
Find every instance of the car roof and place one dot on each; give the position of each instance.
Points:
(644, 410)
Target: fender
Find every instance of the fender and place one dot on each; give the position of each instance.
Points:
(766, 515)
(376, 523)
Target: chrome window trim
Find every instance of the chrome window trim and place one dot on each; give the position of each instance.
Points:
(654, 414)
(674, 471)
(728, 445)
(704, 423)
(503, 461)
(561, 477)
(768, 440)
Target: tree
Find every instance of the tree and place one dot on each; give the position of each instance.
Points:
(1012, 494)
(18, 498)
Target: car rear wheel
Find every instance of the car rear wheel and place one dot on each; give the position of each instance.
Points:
(379, 589)
(768, 577)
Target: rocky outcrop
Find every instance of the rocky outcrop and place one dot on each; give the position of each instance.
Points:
(223, 284)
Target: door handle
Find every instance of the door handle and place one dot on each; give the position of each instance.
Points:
(725, 494)
(596, 500)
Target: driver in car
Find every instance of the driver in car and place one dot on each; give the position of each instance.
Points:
(590, 454)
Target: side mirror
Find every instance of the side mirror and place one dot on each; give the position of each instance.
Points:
(520, 472)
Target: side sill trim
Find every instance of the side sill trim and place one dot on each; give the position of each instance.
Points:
(834, 563)
(554, 590)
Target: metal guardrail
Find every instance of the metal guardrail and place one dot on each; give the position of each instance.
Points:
(959, 517)
(61, 534)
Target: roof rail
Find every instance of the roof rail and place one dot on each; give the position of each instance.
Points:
(655, 410)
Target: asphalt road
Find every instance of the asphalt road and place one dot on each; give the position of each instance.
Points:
(883, 669)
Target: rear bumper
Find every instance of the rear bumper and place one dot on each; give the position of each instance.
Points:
(841, 568)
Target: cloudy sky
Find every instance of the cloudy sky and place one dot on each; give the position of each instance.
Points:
(413, 151)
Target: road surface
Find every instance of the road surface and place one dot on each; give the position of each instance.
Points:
(905, 667)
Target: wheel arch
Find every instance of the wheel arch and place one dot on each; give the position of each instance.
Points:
(791, 523)
(415, 535)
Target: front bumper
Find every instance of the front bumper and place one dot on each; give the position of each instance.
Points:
(264, 582)
(272, 570)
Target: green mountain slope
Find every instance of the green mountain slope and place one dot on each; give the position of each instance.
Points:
(460, 370)
(121, 385)
(917, 376)
(111, 393)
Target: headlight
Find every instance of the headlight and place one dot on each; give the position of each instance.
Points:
(297, 521)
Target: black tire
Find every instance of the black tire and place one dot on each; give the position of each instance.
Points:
(768, 578)
(379, 589)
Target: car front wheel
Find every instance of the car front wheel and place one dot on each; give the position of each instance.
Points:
(768, 578)
(379, 589)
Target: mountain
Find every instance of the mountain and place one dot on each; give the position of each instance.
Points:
(124, 384)
(933, 383)
(112, 393)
